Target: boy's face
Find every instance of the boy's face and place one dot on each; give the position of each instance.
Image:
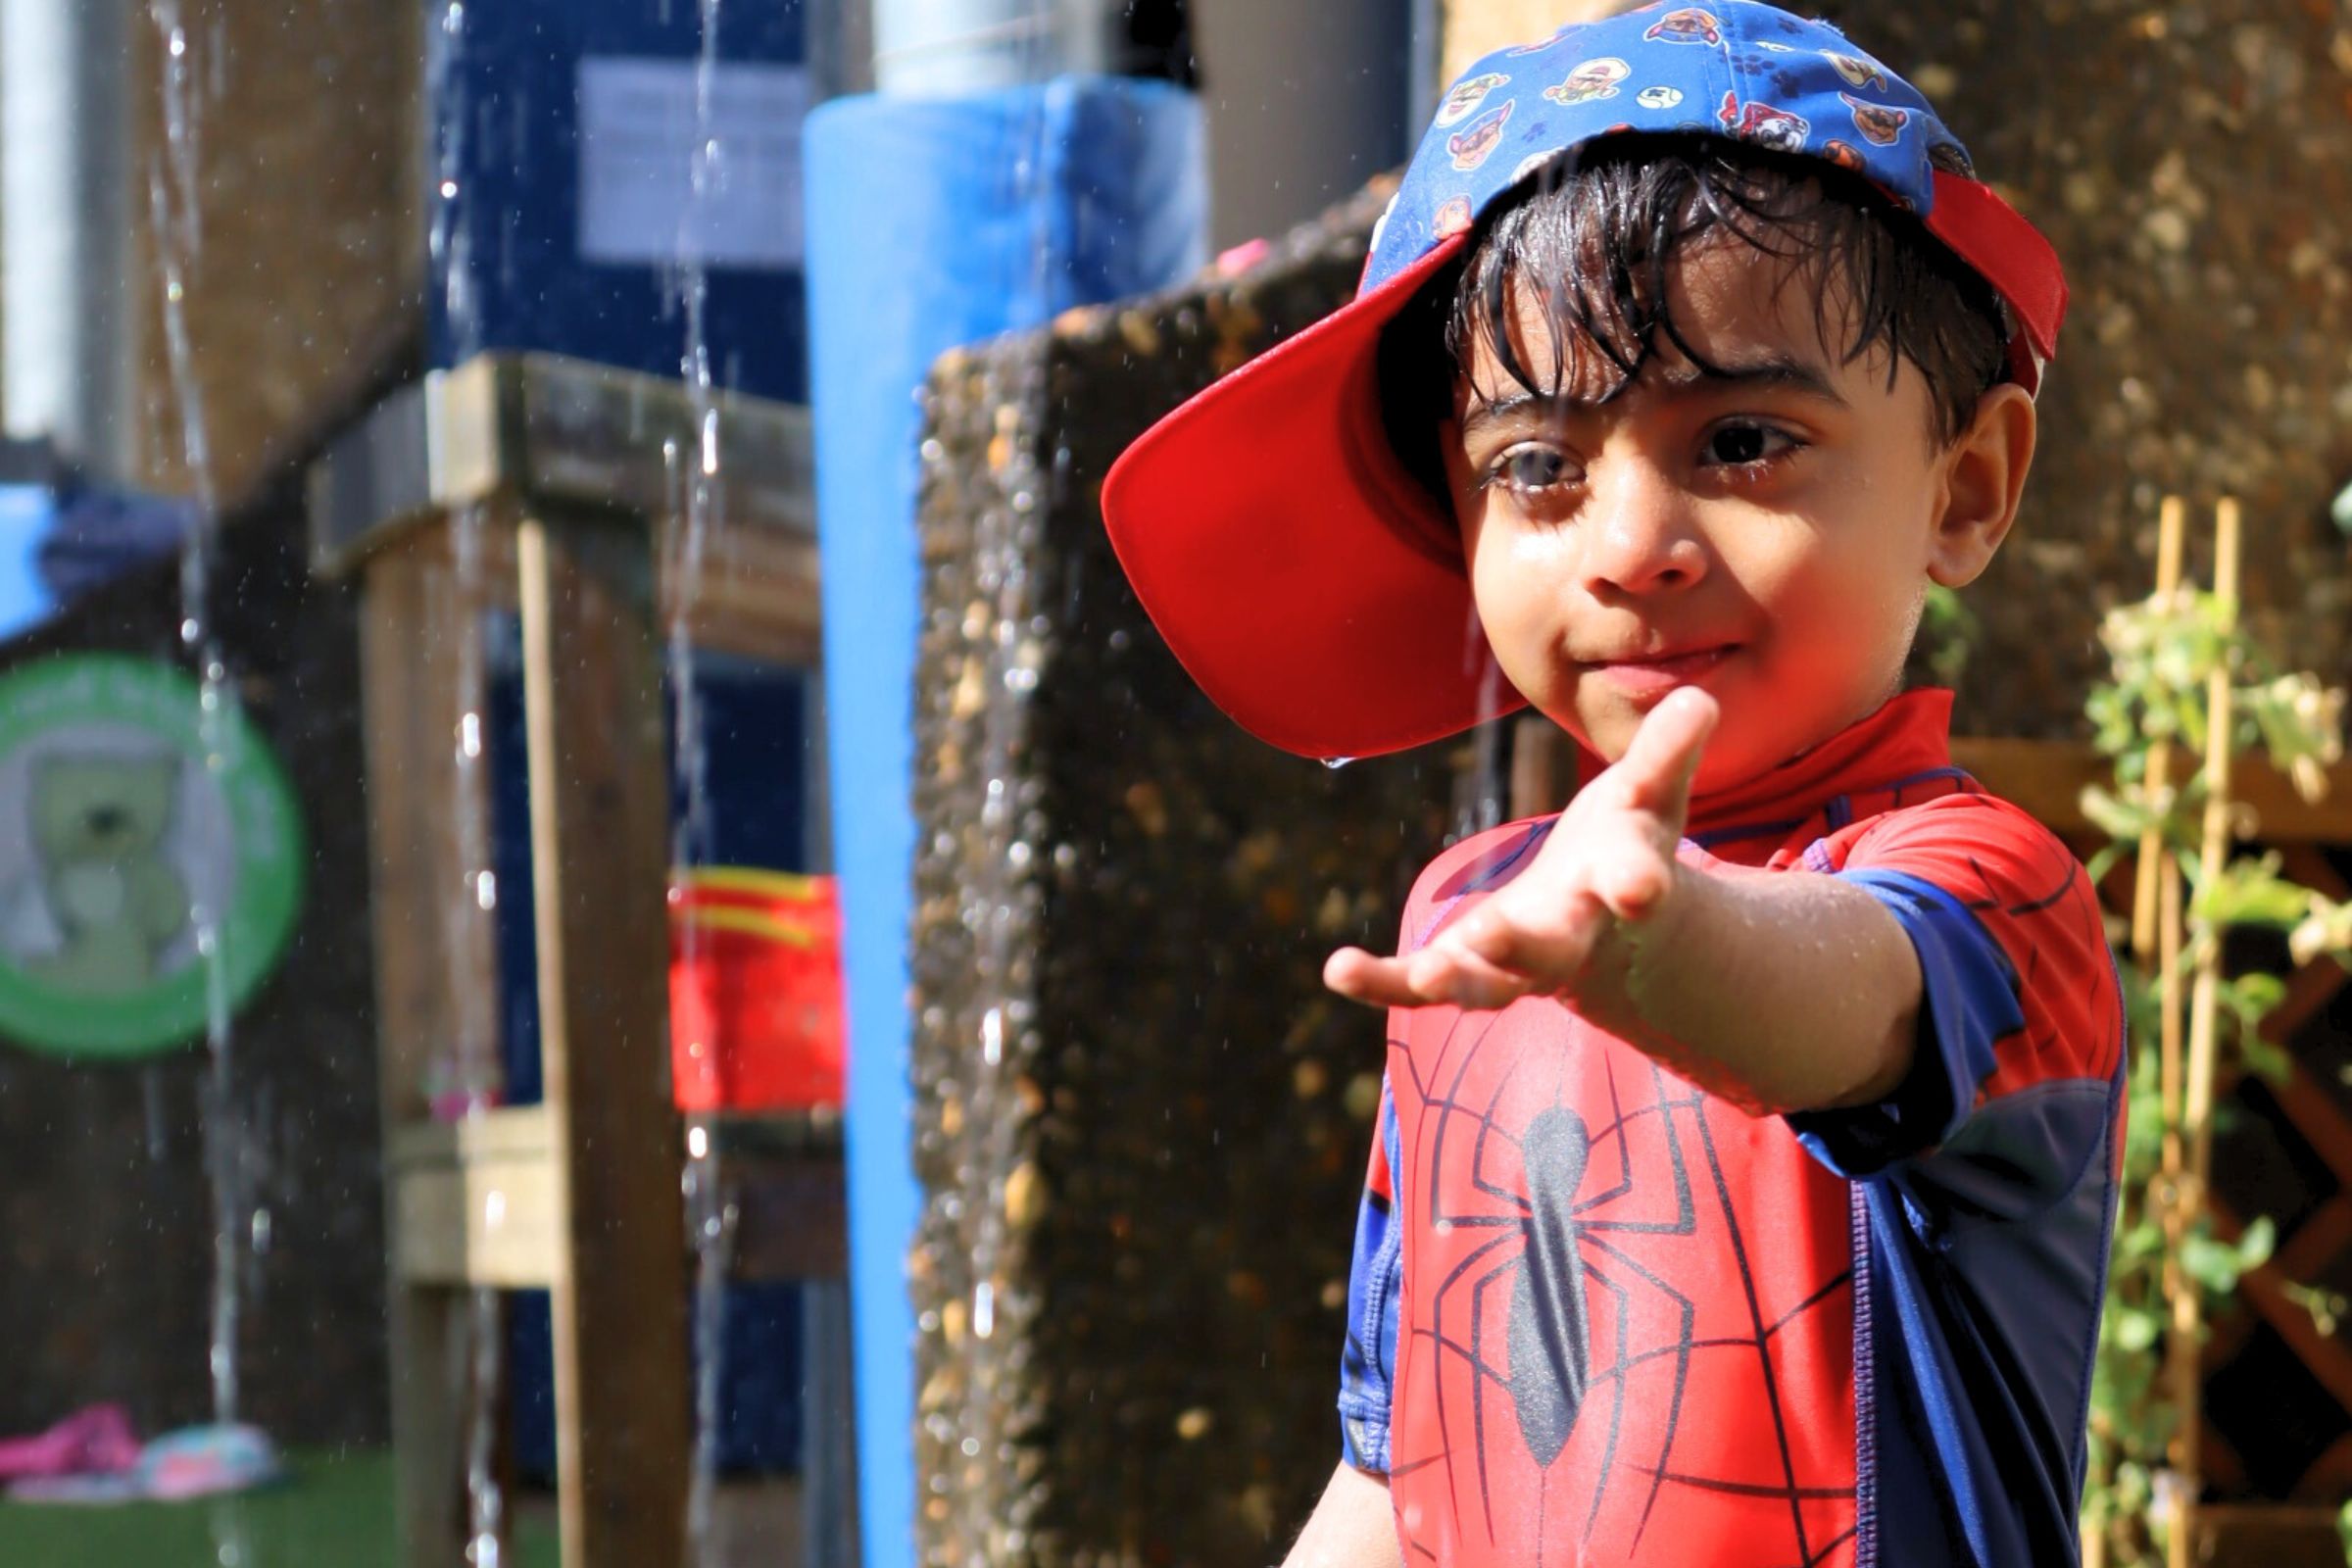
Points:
(1767, 535)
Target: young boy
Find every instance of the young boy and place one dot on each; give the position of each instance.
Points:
(1747, 1167)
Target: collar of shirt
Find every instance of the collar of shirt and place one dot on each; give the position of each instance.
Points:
(1907, 737)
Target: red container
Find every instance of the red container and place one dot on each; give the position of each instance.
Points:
(755, 990)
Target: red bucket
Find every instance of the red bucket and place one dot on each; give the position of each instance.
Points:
(755, 990)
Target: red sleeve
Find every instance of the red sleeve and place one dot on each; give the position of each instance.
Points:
(2031, 895)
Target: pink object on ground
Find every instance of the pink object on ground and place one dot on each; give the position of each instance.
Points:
(1242, 257)
(97, 1440)
(192, 1462)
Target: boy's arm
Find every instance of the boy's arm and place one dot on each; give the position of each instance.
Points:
(1783, 992)
(1351, 1527)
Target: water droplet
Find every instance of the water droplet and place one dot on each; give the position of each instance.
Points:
(469, 735)
(449, 190)
(983, 1310)
(992, 1036)
(1334, 763)
(698, 1143)
(485, 889)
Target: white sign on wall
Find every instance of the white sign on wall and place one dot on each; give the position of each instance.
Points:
(639, 132)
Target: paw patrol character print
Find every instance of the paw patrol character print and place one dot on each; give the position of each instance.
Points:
(1952, 159)
(1876, 122)
(1592, 80)
(1658, 97)
(1453, 218)
(1857, 71)
(1844, 154)
(1763, 125)
(1690, 26)
(1467, 95)
(1472, 144)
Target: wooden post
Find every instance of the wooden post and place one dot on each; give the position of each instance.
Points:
(420, 631)
(538, 484)
(600, 828)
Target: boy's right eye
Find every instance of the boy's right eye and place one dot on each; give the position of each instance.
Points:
(1531, 470)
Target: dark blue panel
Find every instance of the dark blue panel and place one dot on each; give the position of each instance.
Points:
(506, 139)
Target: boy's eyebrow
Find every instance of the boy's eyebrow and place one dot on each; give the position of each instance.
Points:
(1777, 371)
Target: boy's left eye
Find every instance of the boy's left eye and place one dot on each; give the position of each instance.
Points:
(1739, 446)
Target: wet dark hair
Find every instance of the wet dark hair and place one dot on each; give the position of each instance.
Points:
(1597, 238)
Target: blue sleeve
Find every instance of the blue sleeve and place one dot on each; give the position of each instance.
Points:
(1969, 1002)
(1375, 1278)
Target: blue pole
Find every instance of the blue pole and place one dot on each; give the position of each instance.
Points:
(934, 222)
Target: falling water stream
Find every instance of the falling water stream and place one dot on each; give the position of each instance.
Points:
(702, 488)
(466, 1078)
(240, 1228)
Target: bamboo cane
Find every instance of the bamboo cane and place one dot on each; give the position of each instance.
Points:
(2155, 873)
(2196, 1119)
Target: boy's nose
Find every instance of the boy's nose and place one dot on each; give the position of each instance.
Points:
(1643, 538)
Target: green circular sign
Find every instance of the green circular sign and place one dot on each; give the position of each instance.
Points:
(150, 857)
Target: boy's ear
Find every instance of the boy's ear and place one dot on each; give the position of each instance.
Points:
(1984, 476)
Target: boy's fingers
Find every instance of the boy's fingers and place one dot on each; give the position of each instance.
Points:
(1376, 982)
(1548, 944)
(1659, 765)
(1419, 980)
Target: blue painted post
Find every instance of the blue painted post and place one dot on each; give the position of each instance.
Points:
(932, 222)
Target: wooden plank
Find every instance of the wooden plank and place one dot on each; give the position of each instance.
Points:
(477, 1201)
(432, 945)
(2267, 1536)
(2047, 778)
(599, 863)
(515, 1132)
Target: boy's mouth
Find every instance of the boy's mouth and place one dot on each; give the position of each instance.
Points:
(1654, 675)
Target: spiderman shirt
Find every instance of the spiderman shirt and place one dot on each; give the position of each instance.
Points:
(1599, 1316)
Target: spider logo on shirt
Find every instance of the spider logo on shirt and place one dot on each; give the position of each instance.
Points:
(1565, 1252)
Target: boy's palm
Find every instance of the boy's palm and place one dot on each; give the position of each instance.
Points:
(1608, 862)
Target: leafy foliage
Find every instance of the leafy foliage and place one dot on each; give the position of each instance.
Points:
(2163, 654)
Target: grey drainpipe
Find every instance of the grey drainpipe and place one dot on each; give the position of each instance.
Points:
(67, 316)
(946, 48)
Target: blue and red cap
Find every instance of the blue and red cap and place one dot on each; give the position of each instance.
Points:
(1312, 586)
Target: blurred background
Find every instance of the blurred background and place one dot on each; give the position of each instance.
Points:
(618, 943)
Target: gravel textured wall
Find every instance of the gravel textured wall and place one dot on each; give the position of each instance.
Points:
(1141, 1123)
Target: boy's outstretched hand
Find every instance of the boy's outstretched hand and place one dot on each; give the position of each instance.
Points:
(1607, 868)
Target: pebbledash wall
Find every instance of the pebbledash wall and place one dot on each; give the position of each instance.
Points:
(2193, 163)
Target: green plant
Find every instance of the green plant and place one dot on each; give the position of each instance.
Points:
(2165, 655)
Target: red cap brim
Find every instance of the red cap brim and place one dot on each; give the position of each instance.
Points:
(1300, 574)
(1312, 587)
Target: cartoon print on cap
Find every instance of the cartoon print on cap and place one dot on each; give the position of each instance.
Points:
(1471, 144)
(1453, 218)
(1659, 97)
(1876, 121)
(1844, 154)
(1467, 95)
(1952, 159)
(1857, 71)
(1763, 125)
(1688, 25)
(1595, 79)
